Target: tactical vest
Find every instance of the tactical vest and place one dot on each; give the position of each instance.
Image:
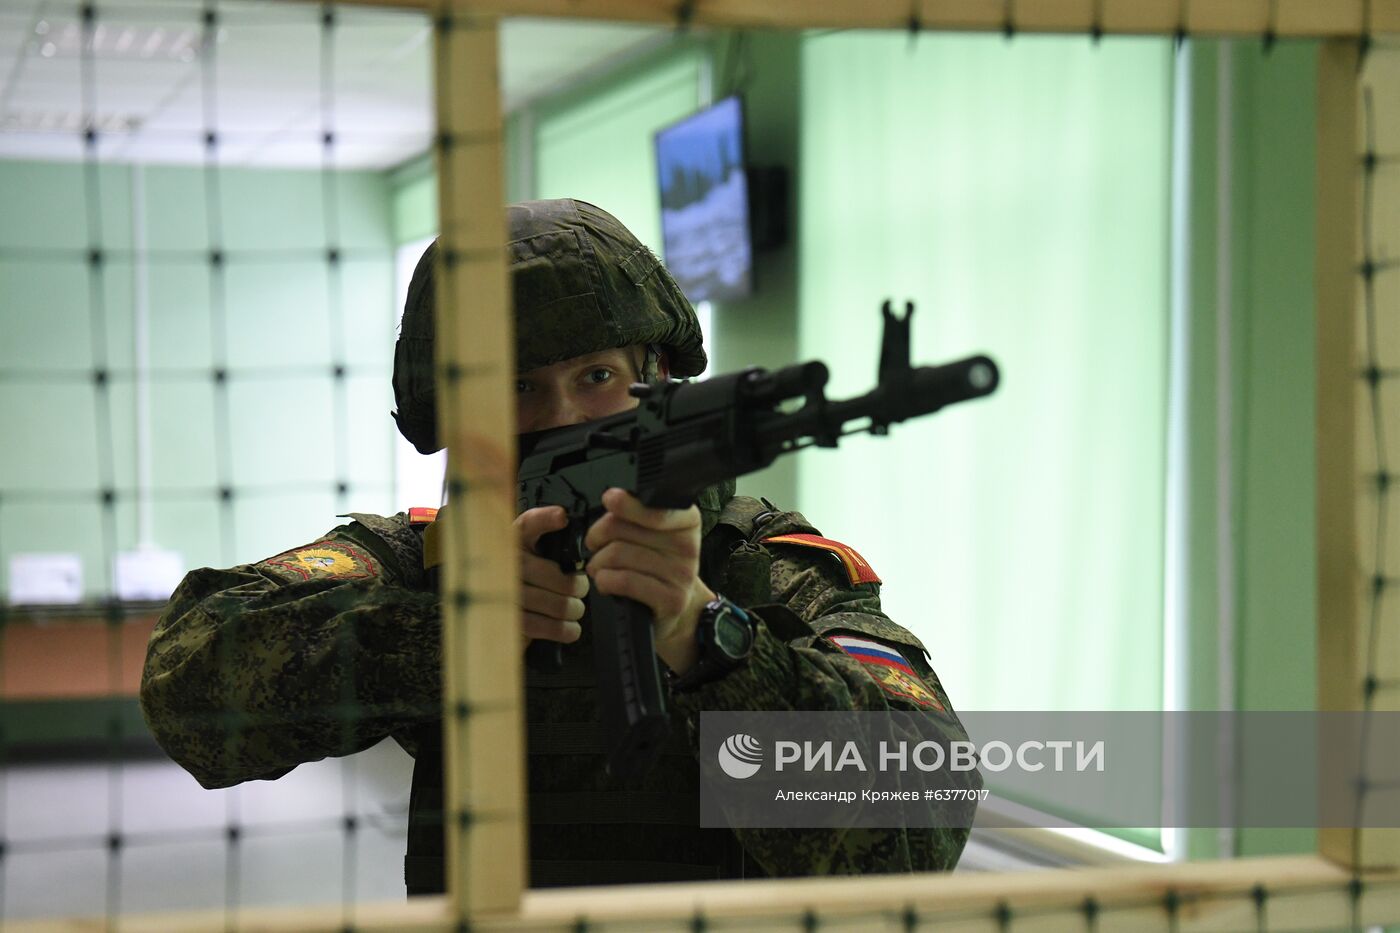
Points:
(586, 829)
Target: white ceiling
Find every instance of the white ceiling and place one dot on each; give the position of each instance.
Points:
(149, 87)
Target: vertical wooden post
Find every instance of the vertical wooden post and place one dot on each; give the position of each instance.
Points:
(1348, 500)
(483, 726)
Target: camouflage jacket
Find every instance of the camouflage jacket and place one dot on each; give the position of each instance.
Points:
(326, 649)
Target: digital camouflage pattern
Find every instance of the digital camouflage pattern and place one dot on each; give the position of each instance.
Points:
(580, 281)
(253, 670)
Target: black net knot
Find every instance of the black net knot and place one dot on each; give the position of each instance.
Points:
(444, 24)
(328, 139)
(1260, 895)
(211, 140)
(1096, 32)
(1356, 887)
(88, 12)
(232, 834)
(465, 819)
(338, 370)
(1003, 915)
(1171, 902)
(810, 921)
(698, 923)
(1370, 686)
(1382, 481)
(342, 488)
(461, 600)
(95, 258)
(1269, 40)
(226, 493)
(351, 824)
(328, 17)
(685, 15)
(114, 843)
(1378, 584)
(1373, 376)
(462, 709)
(211, 18)
(99, 378)
(220, 376)
(333, 256)
(910, 918)
(1180, 36)
(1091, 910)
(90, 136)
(456, 487)
(109, 497)
(216, 258)
(445, 141)
(1369, 160)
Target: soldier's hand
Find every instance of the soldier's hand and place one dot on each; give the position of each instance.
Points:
(551, 601)
(652, 556)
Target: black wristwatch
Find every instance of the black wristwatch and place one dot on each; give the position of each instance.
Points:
(725, 635)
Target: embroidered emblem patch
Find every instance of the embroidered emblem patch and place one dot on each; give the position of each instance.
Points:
(856, 567)
(890, 670)
(325, 559)
(897, 683)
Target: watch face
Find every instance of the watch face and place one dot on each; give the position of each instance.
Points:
(733, 635)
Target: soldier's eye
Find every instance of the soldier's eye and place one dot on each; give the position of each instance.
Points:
(521, 387)
(599, 376)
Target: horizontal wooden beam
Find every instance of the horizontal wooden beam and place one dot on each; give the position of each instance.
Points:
(1281, 18)
(1300, 893)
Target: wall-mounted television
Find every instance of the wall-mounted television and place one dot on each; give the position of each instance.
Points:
(705, 203)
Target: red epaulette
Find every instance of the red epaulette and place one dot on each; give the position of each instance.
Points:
(856, 566)
(422, 516)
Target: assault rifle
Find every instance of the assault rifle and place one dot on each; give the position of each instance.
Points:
(681, 438)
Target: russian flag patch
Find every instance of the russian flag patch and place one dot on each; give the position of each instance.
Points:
(889, 669)
(872, 652)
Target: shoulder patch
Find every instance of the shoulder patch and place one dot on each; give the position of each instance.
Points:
(856, 567)
(889, 669)
(422, 516)
(329, 558)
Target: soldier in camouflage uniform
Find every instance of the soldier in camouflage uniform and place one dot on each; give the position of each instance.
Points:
(329, 647)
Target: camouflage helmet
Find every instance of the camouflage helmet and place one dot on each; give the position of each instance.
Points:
(581, 283)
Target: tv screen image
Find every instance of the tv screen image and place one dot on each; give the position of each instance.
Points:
(705, 203)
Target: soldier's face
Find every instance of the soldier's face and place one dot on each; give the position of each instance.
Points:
(577, 390)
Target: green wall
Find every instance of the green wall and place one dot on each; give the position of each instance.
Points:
(293, 433)
(1270, 188)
